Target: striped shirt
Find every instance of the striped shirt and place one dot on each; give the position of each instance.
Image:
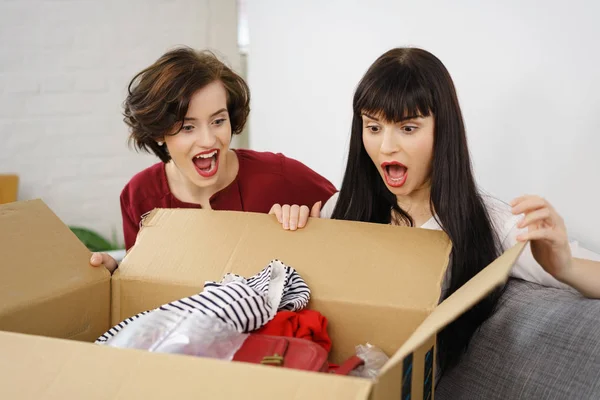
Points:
(245, 304)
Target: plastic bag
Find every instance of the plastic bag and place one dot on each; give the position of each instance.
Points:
(374, 359)
(183, 332)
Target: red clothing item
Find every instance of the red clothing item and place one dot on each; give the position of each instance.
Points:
(263, 179)
(305, 324)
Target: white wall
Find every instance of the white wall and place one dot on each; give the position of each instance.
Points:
(64, 69)
(527, 74)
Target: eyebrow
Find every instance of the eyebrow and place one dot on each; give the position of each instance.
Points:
(218, 112)
(211, 115)
(408, 118)
(370, 117)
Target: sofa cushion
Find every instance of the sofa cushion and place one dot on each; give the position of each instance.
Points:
(542, 343)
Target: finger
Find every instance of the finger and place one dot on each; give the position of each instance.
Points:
(276, 209)
(315, 212)
(536, 217)
(96, 260)
(109, 262)
(540, 234)
(533, 203)
(526, 199)
(303, 218)
(294, 216)
(529, 203)
(99, 259)
(285, 216)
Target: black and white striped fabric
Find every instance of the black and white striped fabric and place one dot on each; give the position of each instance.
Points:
(246, 304)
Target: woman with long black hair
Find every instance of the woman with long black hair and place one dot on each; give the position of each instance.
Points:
(409, 164)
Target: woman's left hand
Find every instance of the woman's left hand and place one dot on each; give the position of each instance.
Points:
(547, 233)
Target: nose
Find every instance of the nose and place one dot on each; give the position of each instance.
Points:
(390, 143)
(205, 138)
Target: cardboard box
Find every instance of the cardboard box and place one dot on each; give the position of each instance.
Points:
(9, 187)
(374, 283)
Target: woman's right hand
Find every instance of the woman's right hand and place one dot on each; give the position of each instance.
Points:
(294, 216)
(99, 259)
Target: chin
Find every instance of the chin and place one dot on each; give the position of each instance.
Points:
(403, 190)
(201, 181)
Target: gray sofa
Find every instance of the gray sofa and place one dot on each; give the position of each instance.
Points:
(542, 343)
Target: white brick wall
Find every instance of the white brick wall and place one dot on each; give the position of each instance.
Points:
(64, 69)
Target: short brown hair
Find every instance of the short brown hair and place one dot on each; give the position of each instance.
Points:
(159, 96)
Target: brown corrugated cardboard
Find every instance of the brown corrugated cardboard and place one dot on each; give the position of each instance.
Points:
(375, 283)
(353, 269)
(45, 288)
(422, 340)
(53, 369)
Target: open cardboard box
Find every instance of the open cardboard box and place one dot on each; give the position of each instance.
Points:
(374, 283)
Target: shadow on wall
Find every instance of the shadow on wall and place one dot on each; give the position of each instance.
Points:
(242, 140)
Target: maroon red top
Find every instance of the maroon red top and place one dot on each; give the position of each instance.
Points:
(263, 179)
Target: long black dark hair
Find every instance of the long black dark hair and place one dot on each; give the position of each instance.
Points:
(406, 82)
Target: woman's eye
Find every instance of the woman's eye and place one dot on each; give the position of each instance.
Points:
(187, 128)
(373, 128)
(219, 121)
(409, 129)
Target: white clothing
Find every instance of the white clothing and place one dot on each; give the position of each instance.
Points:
(505, 223)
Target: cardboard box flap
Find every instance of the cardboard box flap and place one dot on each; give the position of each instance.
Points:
(43, 263)
(387, 265)
(52, 369)
(460, 301)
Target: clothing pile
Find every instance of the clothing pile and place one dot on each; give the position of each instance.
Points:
(262, 319)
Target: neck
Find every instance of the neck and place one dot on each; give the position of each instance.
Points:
(417, 205)
(185, 190)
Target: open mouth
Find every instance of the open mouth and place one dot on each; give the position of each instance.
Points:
(207, 163)
(395, 173)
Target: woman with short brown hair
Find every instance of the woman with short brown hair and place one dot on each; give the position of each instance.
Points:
(185, 108)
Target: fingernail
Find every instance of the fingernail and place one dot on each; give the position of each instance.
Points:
(285, 225)
(293, 226)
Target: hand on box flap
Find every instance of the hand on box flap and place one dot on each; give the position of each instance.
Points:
(245, 304)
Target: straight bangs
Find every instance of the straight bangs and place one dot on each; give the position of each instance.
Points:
(393, 92)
